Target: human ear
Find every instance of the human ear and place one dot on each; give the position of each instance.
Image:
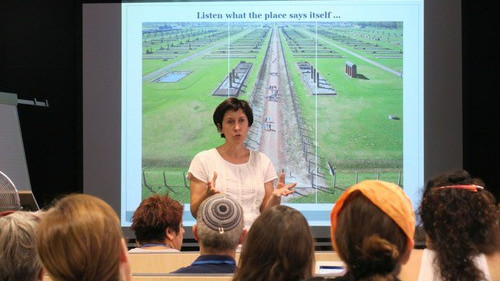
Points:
(170, 233)
(195, 232)
(406, 256)
(243, 236)
(125, 270)
(428, 242)
(41, 274)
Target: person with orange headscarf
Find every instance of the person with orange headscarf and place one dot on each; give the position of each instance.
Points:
(372, 229)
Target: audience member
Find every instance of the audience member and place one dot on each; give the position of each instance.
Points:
(373, 224)
(278, 247)
(219, 231)
(461, 220)
(157, 224)
(18, 256)
(80, 239)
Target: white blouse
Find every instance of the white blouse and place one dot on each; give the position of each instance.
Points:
(244, 182)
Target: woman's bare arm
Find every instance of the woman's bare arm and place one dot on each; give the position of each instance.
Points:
(199, 191)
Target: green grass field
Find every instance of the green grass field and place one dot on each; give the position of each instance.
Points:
(354, 126)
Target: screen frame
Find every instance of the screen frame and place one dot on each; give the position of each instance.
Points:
(102, 93)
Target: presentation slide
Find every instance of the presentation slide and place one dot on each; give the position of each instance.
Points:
(336, 89)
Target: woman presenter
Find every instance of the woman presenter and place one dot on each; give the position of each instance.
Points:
(246, 175)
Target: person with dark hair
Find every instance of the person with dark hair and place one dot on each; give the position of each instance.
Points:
(18, 256)
(373, 224)
(80, 239)
(461, 221)
(246, 175)
(157, 224)
(278, 247)
(219, 231)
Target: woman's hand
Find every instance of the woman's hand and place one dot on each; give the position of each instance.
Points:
(211, 186)
(199, 191)
(273, 194)
(283, 189)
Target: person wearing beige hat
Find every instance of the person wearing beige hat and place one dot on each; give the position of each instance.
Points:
(372, 229)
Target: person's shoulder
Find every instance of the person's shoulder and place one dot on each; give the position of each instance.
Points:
(259, 156)
(186, 269)
(136, 250)
(206, 153)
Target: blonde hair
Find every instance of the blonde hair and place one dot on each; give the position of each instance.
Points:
(18, 255)
(80, 239)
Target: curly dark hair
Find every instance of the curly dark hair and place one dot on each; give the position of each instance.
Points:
(153, 216)
(460, 223)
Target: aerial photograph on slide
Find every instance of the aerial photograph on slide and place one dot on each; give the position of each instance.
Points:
(327, 99)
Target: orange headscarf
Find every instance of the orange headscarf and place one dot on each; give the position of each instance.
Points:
(389, 198)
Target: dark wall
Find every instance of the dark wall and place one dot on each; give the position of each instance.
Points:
(40, 43)
(39, 58)
(481, 139)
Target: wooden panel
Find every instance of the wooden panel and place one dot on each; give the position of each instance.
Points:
(160, 262)
(185, 277)
(168, 262)
(326, 256)
(173, 277)
(156, 266)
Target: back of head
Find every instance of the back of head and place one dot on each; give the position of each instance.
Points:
(219, 223)
(461, 219)
(278, 246)
(372, 229)
(153, 216)
(80, 239)
(18, 256)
